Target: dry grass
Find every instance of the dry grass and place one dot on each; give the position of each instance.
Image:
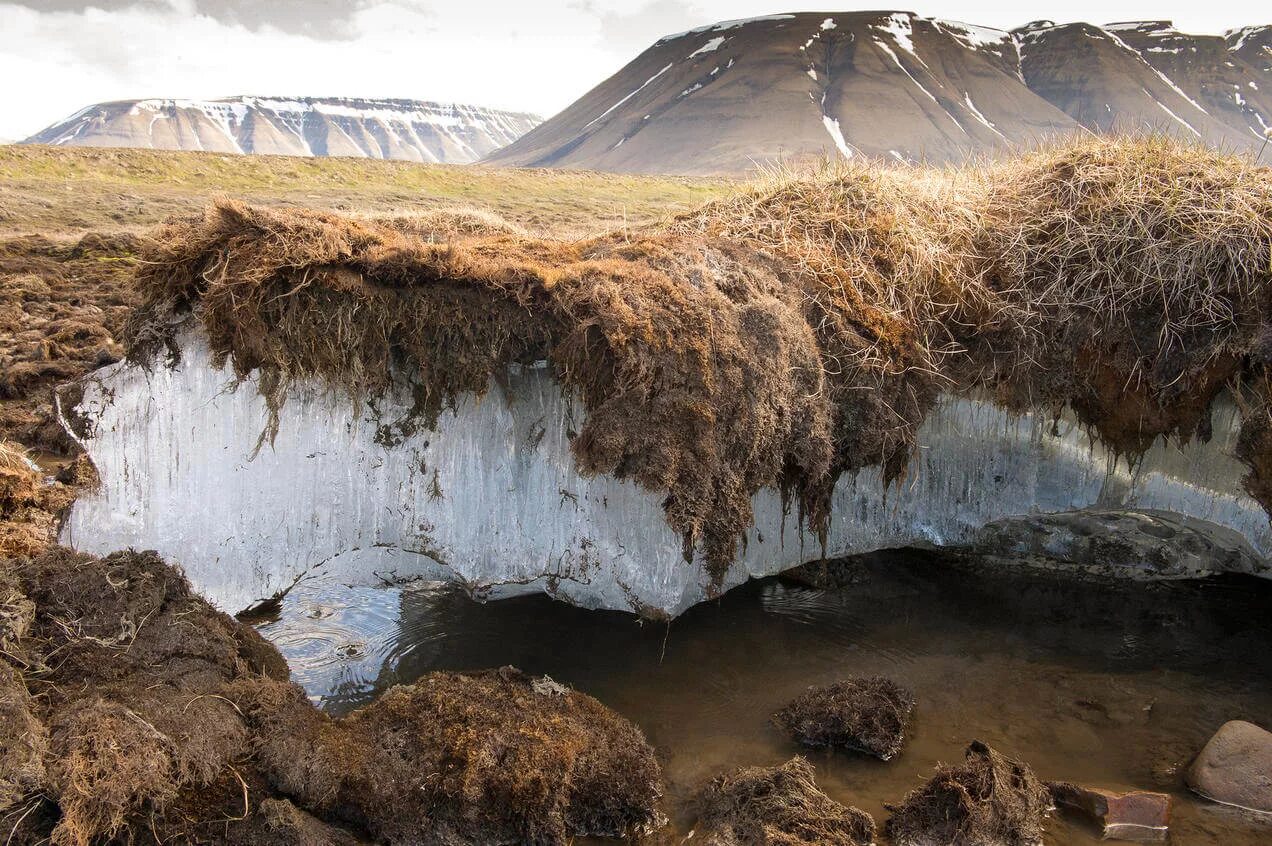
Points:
(862, 714)
(67, 192)
(797, 331)
(777, 806)
(987, 800)
(489, 757)
(30, 507)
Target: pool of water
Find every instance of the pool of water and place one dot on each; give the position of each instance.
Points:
(1111, 685)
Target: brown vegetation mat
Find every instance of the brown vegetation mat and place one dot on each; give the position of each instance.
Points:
(863, 714)
(777, 806)
(62, 307)
(31, 506)
(785, 336)
(988, 800)
(133, 710)
(493, 757)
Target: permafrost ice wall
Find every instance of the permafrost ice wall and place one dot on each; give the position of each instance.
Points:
(492, 497)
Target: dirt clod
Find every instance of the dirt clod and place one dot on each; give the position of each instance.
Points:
(862, 714)
(472, 758)
(777, 806)
(988, 800)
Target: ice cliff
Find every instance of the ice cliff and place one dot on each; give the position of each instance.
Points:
(492, 497)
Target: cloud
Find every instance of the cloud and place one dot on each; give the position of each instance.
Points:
(629, 30)
(330, 20)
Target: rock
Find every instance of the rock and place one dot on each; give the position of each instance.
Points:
(1137, 815)
(1235, 767)
(777, 806)
(1120, 543)
(987, 800)
(864, 714)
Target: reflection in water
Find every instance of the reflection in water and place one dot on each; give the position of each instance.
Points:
(1115, 685)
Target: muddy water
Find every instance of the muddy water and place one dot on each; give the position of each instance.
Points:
(1115, 685)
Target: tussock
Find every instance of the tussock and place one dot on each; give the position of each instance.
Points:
(491, 757)
(862, 714)
(777, 806)
(797, 331)
(988, 800)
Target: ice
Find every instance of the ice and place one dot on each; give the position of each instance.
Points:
(642, 87)
(837, 135)
(723, 25)
(975, 36)
(493, 499)
(710, 47)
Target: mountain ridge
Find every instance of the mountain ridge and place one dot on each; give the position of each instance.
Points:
(723, 97)
(384, 128)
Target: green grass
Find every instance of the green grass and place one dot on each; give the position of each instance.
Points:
(66, 191)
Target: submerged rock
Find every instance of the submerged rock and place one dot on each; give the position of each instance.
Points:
(862, 714)
(1138, 815)
(988, 800)
(777, 806)
(1235, 767)
(1114, 542)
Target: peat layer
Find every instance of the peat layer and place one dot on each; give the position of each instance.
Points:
(788, 335)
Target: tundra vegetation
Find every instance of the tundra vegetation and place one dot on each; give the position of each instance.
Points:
(780, 336)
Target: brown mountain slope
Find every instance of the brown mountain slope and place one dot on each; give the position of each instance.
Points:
(725, 97)
(1099, 77)
(721, 97)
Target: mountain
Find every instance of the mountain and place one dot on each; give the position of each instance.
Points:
(721, 98)
(300, 126)
(1147, 74)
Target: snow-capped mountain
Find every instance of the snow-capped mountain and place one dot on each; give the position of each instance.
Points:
(299, 126)
(896, 85)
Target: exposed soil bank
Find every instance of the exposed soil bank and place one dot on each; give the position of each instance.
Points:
(133, 711)
(786, 337)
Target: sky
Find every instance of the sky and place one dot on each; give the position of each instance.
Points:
(57, 56)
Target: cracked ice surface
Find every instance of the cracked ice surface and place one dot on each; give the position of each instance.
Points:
(492, 498)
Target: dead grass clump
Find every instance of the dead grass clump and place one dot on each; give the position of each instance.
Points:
(132, 674)
(110, 764)
(862, 714)
(777, 806)
(30, 508)
(19, 480)
(23, 742)
(988, 800)
(491, 757)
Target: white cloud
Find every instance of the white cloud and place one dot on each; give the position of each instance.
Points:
(518, 55)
